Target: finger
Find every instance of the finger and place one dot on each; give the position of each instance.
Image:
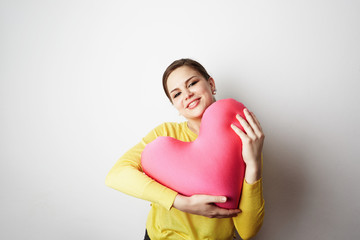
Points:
(240, 133)
(250, 117)
(234, 212)
(259, 132)
(218, 212)
(256, 120)
(230, 211)
(215, 199)
(253, 118)
(226, 213)
(248, 129)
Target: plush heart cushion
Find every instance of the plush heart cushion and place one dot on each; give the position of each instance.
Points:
(212, 164)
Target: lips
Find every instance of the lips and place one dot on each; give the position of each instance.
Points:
(193, 103)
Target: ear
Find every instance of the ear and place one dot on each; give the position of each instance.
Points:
(212, 84)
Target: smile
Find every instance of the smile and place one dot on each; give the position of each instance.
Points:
(193, 104)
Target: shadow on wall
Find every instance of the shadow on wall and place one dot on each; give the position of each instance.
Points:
(284, 177)
(285, 187)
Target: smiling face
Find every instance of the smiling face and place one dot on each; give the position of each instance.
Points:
(190, 92)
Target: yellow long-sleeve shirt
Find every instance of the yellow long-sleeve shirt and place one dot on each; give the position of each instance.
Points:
(165, 222)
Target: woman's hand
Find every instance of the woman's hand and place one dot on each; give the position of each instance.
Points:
(252, 139)
(204, 205)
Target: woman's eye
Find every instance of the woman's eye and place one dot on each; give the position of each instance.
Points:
(193, 83)
(176, 95)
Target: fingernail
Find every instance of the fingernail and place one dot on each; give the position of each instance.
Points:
(223, 199)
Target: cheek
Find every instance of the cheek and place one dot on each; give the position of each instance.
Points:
(177, 104)
(205, 88)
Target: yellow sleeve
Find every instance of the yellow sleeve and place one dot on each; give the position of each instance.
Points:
(252, 205)
(127, 175)
(249, 221)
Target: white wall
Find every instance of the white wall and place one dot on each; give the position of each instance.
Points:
(81, 83)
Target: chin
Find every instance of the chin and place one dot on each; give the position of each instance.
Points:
(198, 114)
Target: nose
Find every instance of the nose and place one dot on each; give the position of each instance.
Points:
(188, 94)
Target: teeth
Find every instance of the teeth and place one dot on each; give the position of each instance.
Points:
(193, 103)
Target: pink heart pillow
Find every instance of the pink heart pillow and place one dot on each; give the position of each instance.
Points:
(212, 164)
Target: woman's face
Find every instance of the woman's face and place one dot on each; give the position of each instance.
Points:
(190, 92)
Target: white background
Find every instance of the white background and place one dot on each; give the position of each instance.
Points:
(81, 84)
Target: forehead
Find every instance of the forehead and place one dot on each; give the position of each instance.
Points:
(179, 76)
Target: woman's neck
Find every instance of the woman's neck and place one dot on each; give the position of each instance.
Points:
(194, 126)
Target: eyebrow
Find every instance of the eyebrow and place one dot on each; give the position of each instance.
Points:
(185, 83)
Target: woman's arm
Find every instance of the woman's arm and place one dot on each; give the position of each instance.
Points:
(127, 175)
(249, 221)
(204, 205)
(252, 204)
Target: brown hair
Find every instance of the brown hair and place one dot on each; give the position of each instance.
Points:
(179, 63)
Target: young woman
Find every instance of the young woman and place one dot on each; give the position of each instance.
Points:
(173, 216)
